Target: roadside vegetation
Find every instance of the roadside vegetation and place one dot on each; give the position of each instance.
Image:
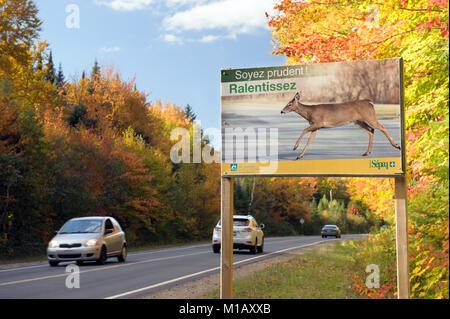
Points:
(326, 272)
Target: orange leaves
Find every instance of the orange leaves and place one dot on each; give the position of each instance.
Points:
(112, 104)
(324, 32)
(9, 126)
(435, 23)
(329, 31)
(377, 193)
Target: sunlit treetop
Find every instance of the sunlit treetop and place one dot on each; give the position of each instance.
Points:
(328, 30)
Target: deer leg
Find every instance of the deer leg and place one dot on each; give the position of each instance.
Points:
(381, 127)
(311, 137)
(369, 130)
(300, 138)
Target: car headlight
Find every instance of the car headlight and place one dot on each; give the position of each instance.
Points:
(91, 242)
(53, 244)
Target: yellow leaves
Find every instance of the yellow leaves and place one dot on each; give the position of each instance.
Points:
(417, 272)
(27, 84)
(413, 288)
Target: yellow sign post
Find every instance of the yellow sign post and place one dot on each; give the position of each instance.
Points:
(226, 254)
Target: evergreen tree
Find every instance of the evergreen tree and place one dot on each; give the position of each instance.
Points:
(83, 75)
(50, 69)
(60, 77)
(189, 113)
(95, 70)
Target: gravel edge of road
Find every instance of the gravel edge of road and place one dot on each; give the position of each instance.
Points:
(196, 289)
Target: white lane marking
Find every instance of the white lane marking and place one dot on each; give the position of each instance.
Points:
(142, 253)
(161, 284)
(211, 269)
(99, 269)
(164, 250)
(130, 254)
(21, 268)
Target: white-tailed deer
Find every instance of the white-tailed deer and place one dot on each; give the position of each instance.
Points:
(361, 112)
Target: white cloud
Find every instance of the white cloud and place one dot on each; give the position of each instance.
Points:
(172, 3)
(233, 16)
(172, 38)
(209, 38)
(219, 19)
(109, 50)
(125, 5)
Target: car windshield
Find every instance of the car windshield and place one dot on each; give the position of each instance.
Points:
(82, 226)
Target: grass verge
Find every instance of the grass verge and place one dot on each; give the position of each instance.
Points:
(326, 272)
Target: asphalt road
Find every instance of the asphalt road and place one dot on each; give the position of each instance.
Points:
(143, 273)
(342, 142)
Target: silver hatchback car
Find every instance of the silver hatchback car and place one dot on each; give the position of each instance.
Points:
(88, 239)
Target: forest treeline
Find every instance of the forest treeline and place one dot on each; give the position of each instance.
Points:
(97, 146)
(280, 203)
(94, 146)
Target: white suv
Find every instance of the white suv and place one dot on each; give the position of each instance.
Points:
(247, 234)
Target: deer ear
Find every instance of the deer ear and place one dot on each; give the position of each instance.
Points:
(297, 96)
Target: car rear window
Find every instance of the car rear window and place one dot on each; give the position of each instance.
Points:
(238, 222)
(241, 222)
(330, 226)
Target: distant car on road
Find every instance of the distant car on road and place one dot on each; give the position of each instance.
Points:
(88, 239)
(331, 230)
(247, 234)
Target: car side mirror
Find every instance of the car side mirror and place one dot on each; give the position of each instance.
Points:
(108, 231)
(56, 232)
(261, 226)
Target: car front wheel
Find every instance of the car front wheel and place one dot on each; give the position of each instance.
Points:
(102, 259)
(53, 263)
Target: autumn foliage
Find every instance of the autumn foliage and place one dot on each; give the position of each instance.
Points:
(417, 31)
(93, 146)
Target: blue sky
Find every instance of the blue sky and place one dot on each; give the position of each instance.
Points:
(175, 48)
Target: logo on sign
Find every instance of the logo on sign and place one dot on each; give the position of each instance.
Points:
(233, 167)
(381, 165)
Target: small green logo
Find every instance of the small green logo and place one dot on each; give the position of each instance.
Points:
(233, 167)
(380, 165)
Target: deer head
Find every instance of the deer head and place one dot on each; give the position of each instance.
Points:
(292, 104)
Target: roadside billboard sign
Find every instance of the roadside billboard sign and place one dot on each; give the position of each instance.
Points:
(330, 119)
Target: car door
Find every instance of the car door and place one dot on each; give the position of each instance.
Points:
(112, 238)
(121, 234)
